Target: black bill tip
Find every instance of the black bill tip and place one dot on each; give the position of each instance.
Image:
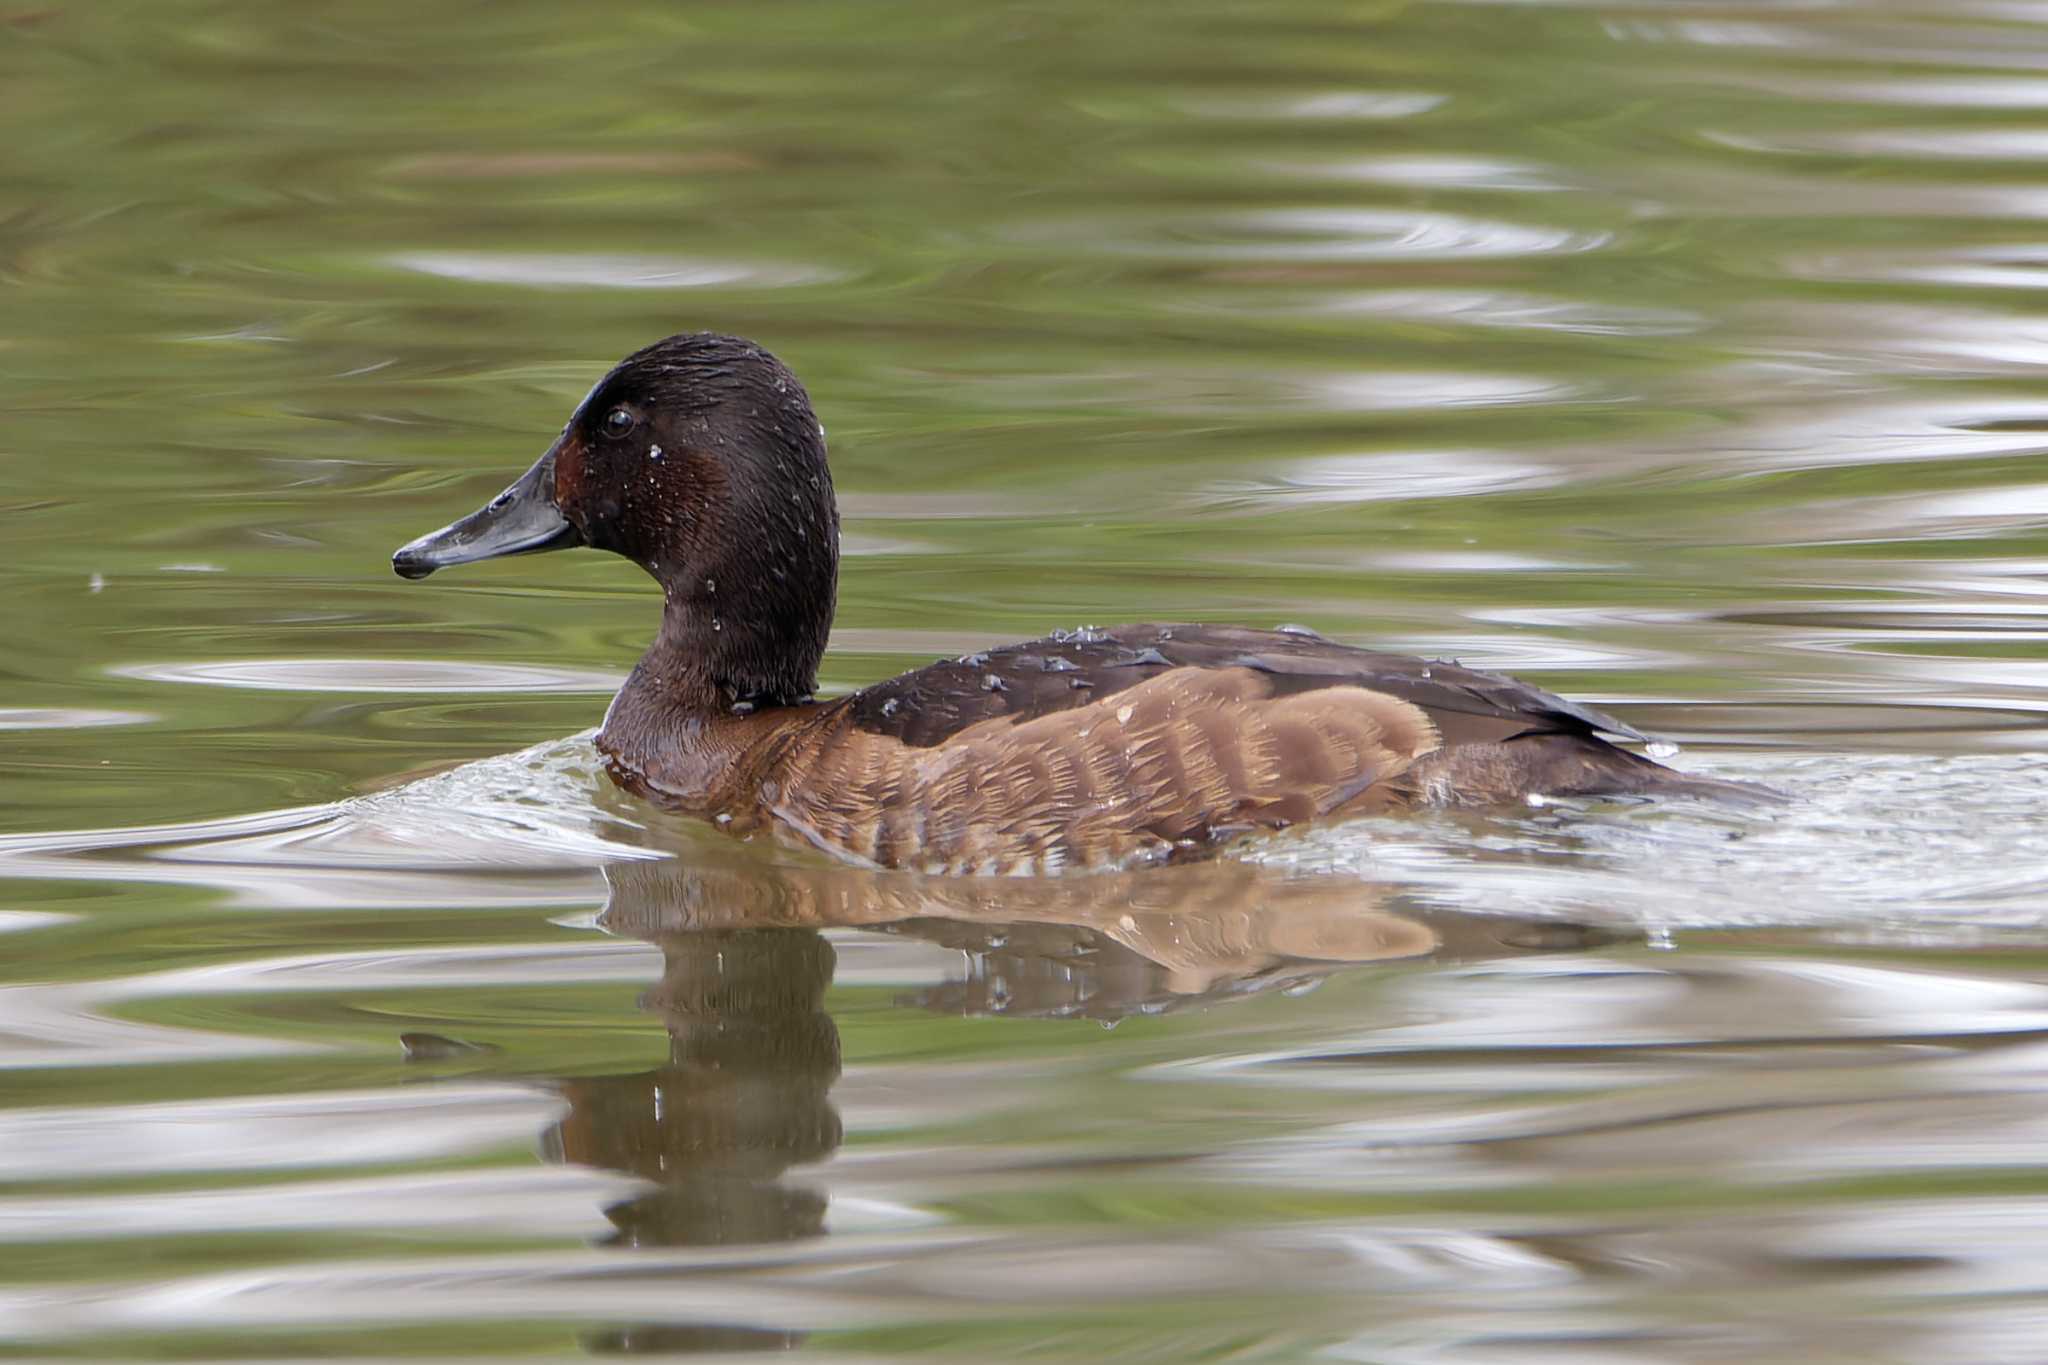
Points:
(522, 520)
(412, 562)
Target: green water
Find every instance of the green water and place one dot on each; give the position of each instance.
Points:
(1686, 358)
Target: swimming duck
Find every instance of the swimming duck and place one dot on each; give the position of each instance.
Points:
(699, 459)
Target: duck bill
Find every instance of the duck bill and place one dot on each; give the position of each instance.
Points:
(522, 520)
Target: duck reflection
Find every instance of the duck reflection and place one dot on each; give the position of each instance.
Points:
(745, 1093)
(741, 1099)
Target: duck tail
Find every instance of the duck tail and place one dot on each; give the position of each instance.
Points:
(1651, 778)
(1726, 790)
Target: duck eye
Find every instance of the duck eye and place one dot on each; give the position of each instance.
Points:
(618, 422)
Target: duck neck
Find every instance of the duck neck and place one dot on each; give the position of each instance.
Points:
(706, 665)
(675, 726)
(674, 680)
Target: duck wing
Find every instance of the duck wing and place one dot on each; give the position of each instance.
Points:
(929, 705)
(1102, 749)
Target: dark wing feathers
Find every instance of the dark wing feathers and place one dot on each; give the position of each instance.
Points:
(929, 705)
(1440, 685)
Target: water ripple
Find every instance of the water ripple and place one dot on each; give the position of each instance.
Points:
(1475, 308)
(1310, 235)
(67, 718)
(1932, 144)
(375, 675)
(1389, 476)
(568, 270)
(270, 1133)
(540, 1201)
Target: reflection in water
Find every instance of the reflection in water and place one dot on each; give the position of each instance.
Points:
(1116, 945)
(741, 1099)
(753, 1054)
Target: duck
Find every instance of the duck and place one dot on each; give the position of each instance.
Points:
(701, 459)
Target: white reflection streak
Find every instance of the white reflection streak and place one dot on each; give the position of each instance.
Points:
(375, 675)
(286, 1132)
(1855, 430)
(1505, 309)
(1328, 106)
(808, 1291)
(1451, 172)
(523, 1201)
(1391, 476)
(572, 270)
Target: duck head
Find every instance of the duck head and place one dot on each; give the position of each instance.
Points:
(699, 459)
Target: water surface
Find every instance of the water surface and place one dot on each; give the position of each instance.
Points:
(1683, 357)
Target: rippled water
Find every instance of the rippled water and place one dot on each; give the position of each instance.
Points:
(1685, 357)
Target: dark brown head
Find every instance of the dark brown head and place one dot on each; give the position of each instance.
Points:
(700, 460)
